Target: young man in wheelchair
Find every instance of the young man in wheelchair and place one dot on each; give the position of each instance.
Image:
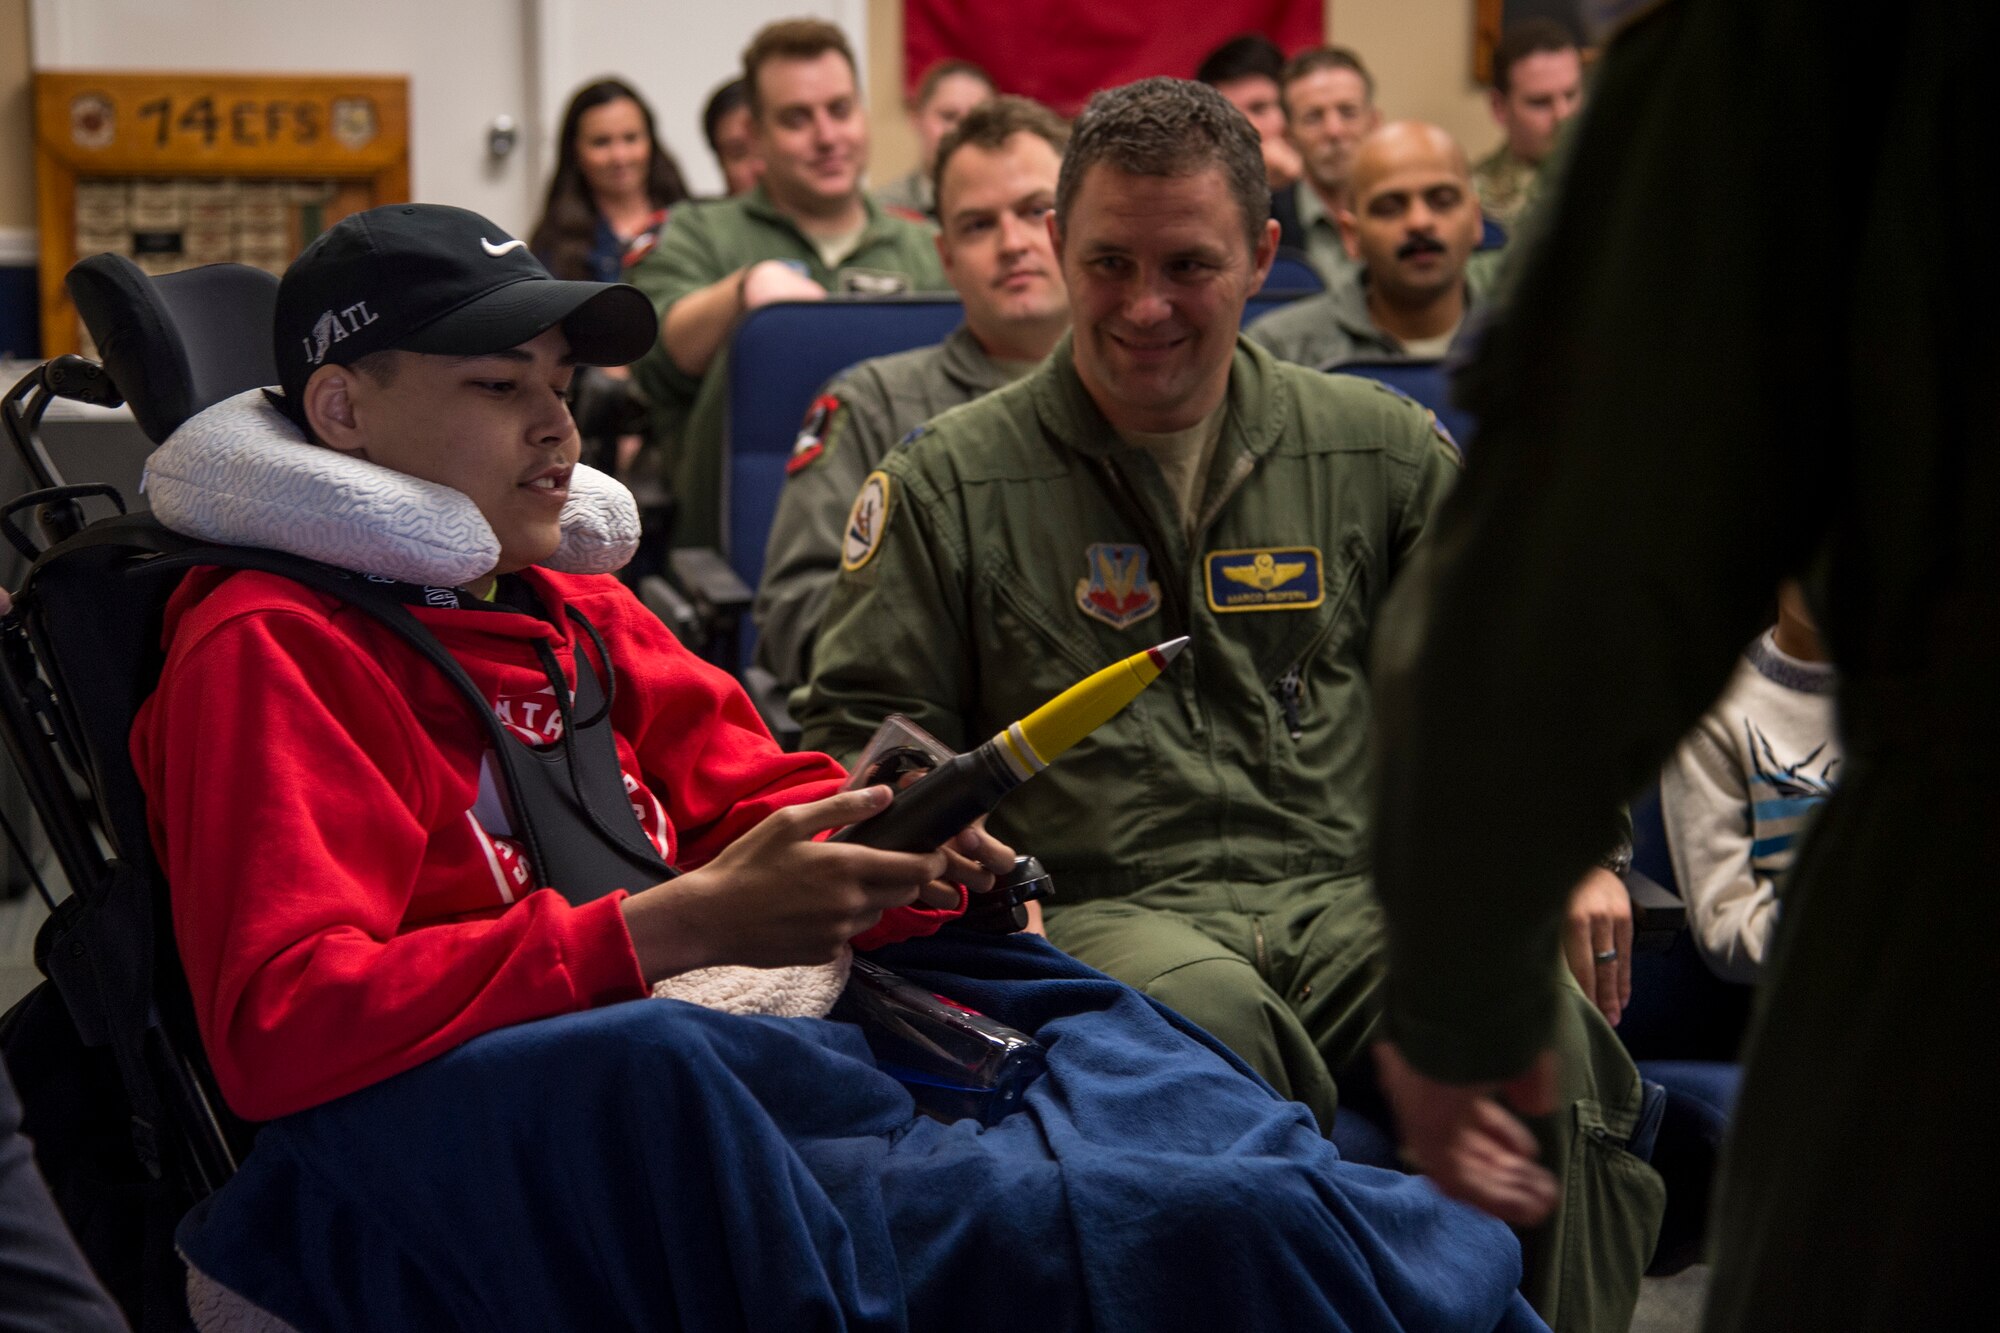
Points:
(290, 727)
(369, 932)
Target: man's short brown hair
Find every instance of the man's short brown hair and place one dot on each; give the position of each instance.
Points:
(1530, 37)
(991, 124)
(1316, 58)
(1169, 127)
(791, 39)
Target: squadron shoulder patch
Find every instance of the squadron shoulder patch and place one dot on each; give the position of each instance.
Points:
(1276, 578)
(1438, 427)
(1116, 590)
(812, 437)
(866, 522)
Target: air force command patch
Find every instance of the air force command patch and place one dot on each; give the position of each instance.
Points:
(1276, 578)
(865, 522)
(1116, 591)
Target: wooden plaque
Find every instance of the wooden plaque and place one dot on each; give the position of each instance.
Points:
(196, 168)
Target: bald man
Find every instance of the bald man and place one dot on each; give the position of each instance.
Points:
(1411, 224)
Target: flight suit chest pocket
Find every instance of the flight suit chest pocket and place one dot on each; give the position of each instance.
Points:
(1307, 654)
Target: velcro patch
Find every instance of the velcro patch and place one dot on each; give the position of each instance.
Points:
(1273, 578)
(866, 522)
(871, 282)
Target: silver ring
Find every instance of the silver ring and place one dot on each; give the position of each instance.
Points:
(1608, 956)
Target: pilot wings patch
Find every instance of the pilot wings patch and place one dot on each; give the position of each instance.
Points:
(1278, 578)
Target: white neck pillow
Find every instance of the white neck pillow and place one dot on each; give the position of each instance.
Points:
(241, 473)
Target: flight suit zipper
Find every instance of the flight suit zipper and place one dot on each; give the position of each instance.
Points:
(1173, 591)
(1289, 689)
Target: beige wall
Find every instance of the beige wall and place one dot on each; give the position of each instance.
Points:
(17, 154)
(892, 144)
(1419, 50)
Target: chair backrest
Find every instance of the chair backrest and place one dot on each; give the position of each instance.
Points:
(1679, 1010)
(1424, 381)
(177, 344)
(779, 358)
(1267, 300)
(1292, 273)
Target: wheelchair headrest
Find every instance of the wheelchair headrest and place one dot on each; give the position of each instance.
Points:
(177, 344)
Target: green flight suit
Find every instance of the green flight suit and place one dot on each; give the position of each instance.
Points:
(704, 242)
(1333, 326)
(1210, 844)
(1688, 396)
(853, 425)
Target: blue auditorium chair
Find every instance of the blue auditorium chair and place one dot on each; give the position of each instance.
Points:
(1292, 274)
(781, 355)
(1424, 381)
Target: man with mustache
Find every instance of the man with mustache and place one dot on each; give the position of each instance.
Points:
(995, 186)
(1159, 475)
(805, 230)
(1411, 225)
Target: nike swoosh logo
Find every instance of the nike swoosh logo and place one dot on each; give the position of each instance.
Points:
(497, 250)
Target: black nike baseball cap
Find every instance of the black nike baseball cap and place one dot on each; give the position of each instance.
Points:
(431, 278)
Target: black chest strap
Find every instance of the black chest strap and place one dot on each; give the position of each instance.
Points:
(567, 801)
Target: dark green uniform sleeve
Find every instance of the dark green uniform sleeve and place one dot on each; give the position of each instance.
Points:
(895, 633)
(1640, 483)
(802, 557)
(686, 260)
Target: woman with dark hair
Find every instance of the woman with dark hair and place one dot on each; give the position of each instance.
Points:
(612, 188)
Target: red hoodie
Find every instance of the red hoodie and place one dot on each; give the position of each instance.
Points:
(347, 905)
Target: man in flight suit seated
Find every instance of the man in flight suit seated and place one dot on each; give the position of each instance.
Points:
(1412, 225)
(1160, 476)
(370, 938)
(806, 229)
(996, 174)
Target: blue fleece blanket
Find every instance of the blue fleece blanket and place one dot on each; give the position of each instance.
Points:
(660, 1166)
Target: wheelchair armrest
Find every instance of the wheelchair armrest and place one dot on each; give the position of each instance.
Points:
(769, 699)
(1657, 915)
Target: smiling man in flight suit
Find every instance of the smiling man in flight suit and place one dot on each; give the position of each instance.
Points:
(1157, 476)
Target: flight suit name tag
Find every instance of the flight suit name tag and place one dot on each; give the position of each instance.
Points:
(1270, 578)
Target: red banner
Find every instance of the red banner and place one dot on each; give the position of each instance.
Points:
(1061, 51)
